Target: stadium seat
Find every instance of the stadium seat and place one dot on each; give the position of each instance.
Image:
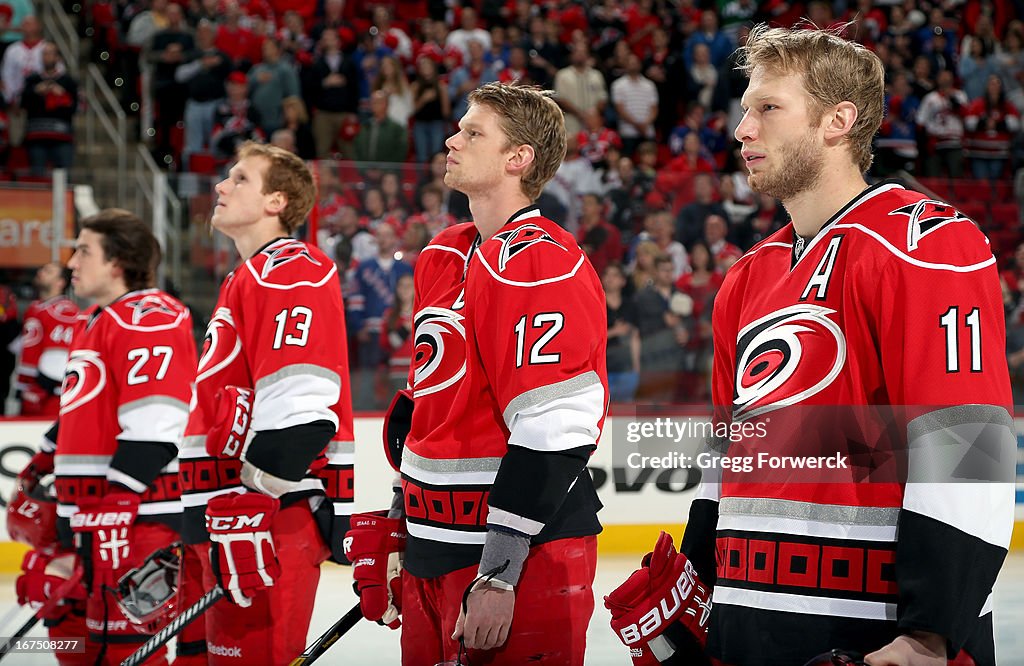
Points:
(1006, 215)
(1002, 191)
(977, 212)
(939, 187)
(969, 189)
(17, 159)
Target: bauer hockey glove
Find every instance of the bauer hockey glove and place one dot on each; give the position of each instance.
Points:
(374, 545)
(47, 577)
(226, 437)
(242, 551)
(661, 612)
(103, 535)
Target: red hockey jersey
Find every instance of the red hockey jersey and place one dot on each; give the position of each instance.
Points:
(510, 340)
(279, 329)
(879, 348)
(126, 390)
(45, 337)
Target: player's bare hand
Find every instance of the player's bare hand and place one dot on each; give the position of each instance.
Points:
(920, 648)
(486, 625)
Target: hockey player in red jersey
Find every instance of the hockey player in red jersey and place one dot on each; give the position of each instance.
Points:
(870, 328)
(510, 391)
(267, 459)
(113, 448)
(45, 336)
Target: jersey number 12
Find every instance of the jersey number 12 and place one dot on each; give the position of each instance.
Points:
(552, 322)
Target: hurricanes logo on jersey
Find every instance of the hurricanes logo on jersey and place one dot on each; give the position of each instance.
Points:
(515, 241)
(65, 311)
(280, 254)
(147, 305)
(84, 378)
(786, 357)
(221, 346)
(926, 216)
(439, 352)
(32, 334)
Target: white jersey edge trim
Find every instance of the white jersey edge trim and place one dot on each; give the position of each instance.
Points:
(284, 287)
(432, 533)
(795, 603)
(812, 528)
(910, 260)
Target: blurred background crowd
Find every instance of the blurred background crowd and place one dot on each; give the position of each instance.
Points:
(652, 185)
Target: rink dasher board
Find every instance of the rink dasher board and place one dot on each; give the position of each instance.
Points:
(635, 508)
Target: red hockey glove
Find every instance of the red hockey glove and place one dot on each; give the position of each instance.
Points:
(374, 545)
(230, 422)
(38, 466)
(103, 535)
(659, 605)
(242, 550)
(49, 584)
(32, 399)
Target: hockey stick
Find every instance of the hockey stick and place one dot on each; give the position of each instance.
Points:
(25, 628)
(329, 638)
(174, 627)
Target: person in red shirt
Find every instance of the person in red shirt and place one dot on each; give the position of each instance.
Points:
(693, 159)
(242, 45)
(991, 122)
(599, 239)
(595, 140)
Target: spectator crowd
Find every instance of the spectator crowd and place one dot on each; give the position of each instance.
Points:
(652, 184)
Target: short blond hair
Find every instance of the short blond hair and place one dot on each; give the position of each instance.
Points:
(528, 116)
(288, 174)
(834, 69)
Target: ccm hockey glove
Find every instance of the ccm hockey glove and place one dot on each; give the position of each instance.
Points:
(226, 437)
(374, 545)
(242, 551)
(661, 612)
(103, 535)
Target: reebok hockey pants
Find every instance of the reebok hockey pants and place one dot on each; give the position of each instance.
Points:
(122, 639)
(273, 629)
(554, 603)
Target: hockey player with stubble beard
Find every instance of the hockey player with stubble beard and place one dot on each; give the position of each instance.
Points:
(267, 458)
(508, 396)
(870, 328)
(45, 336)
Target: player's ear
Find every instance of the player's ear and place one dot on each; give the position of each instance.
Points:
(522, 157)
(277, 203)
(840, 120)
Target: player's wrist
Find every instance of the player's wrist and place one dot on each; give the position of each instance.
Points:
(934, 644)
(505, 552)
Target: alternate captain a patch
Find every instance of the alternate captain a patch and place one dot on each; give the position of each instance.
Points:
(283, 252)
(926, 216)
(515, 241)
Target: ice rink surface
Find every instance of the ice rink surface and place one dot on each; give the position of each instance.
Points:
(372, 645)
